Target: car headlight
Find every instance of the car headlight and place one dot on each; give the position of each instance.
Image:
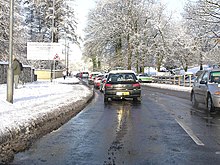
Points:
(217, 93)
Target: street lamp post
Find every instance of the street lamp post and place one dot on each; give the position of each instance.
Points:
(52, 38)
(10, 74)
(67, 60)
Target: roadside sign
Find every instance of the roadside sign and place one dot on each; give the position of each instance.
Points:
(56, 57)
(44, 51)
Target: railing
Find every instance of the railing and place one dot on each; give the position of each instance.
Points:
(181, 80)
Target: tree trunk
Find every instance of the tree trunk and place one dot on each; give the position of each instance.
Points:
(129, 53)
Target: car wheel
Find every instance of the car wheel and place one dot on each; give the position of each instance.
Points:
(137, 99)
(105, 99)
(210, 106)
(194, 102)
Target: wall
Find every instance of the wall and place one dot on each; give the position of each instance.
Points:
(26, 76)
(45, 74)
(29, 74)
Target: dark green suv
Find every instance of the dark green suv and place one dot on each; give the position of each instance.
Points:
(122, 84)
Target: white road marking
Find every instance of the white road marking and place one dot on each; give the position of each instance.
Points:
(190, 133)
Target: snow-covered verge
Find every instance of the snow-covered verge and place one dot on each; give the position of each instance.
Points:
(169, 86)
(38, 109)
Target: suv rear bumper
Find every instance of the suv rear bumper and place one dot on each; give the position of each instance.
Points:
(123, 94)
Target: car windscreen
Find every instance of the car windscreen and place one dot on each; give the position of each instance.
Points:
(215, 76)
(121, 78)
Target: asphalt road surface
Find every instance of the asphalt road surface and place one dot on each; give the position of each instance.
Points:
(162, 129)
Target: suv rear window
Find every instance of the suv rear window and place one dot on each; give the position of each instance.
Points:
(122, 78)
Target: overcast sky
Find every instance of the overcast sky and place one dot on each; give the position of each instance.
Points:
(175, 6)
(82, 9)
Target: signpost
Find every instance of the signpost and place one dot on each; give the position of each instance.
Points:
(56, 57)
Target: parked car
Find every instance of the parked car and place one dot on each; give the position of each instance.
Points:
(84, 75)
(78, 75)
(92, 77)
(103, 81)
(98, 80)
(122, 84)
(206, 89)
(145, 78)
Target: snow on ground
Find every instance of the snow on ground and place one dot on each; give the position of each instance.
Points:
(38, 98)
(169, 86)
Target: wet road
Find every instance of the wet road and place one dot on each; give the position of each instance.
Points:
(162, 129)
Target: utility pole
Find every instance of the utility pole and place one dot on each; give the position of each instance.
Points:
(65, 52)
(10, 74)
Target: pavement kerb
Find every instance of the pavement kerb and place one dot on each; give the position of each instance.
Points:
(21, 138)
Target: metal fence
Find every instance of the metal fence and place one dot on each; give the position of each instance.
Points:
(181, 80)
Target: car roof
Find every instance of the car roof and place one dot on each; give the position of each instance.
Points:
(95, 73)
(121, 71)
(143, 74)
(99, 75)
(209, 70)
(215, 69)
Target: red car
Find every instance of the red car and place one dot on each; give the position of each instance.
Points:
(97, 81)
(103, 81)
(92, 77)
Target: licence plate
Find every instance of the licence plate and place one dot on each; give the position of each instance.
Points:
(122, 93)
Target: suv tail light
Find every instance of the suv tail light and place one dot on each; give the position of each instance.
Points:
(108, 85)
(137, 85)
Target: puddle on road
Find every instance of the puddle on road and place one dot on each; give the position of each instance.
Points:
(123, 113)
(211, 119)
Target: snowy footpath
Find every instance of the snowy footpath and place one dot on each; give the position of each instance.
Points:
(38, 108)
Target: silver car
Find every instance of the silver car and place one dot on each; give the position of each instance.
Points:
(206, 90)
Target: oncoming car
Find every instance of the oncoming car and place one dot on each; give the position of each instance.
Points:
(122, 84)
(206, 89)
(144, 78)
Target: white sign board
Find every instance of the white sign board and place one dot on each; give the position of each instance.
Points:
(44, 51)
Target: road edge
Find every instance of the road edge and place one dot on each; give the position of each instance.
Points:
(18, 140)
